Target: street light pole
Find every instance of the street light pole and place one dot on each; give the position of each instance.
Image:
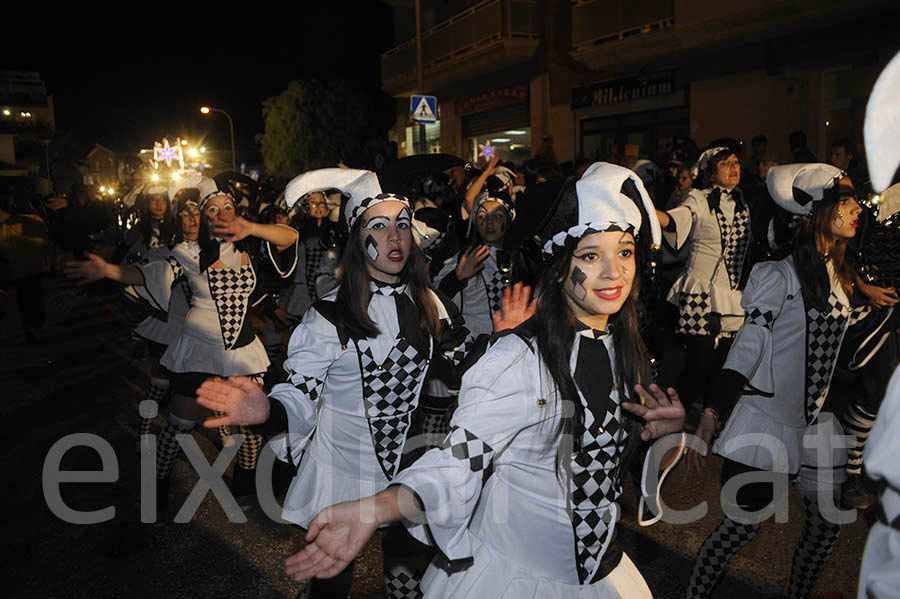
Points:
(208, 109)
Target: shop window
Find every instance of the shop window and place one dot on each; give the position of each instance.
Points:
(511, 145)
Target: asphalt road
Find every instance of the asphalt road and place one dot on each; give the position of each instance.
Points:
(82, 377)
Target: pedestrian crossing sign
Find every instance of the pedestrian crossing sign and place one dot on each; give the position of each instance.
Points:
(423, 109)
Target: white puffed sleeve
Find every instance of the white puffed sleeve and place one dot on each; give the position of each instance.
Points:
(312, 350)
(751, 352)
(691, 209)
(159, 277)
(494, 407)
(880, 573)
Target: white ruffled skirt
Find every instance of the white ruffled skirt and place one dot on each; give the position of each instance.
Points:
(492, 575)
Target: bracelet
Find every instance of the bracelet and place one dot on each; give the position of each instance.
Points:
(715, 416)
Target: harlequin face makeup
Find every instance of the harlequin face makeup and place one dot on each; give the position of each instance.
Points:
(190, 221)
(846, 213)
(386, 237)
(600, 276)
(157, 204)
(220, 210)
(491, 221)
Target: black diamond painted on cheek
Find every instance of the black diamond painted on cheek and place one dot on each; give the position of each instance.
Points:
(371, 247)
(578, 278)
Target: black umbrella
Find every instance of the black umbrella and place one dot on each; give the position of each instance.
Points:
(401, 175)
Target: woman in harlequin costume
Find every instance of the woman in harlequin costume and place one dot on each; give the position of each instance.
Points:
(716, 221)
(475, 280)
(522, 499)
(797, 312)
(222, 273)
(150, 239)
(356, 365)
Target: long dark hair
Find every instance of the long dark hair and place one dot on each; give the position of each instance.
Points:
(556, 326)
(353, 295)
(167, 226)
(811, 249)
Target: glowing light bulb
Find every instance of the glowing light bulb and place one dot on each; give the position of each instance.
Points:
(155, 177)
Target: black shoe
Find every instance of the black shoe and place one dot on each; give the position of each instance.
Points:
(855, 493)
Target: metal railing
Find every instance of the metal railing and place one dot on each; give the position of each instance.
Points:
(480, 25)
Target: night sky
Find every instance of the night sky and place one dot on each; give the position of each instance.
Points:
(126, 85)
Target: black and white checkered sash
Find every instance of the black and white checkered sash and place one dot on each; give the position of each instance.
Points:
(594, 485)
(499, 280)
(315, 251)
(734, 236)
(391, 387)
(824, 333)
(231, 289)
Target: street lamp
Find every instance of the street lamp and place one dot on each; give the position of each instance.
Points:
(207, 110)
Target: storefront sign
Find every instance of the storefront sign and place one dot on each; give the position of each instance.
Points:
(491, 100)
(623, 90)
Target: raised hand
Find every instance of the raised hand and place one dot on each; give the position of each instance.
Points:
(240, 399)
(661, 410)
(92, 269)
(237, 228)
(515, 307)
(471, 262)
(334, 538)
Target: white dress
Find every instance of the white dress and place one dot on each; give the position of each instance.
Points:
(879, 576)
(711, 277)
(504, 523)
(216, 337)
(480, 296)
(788, 353)
(351, 403)
(155, 327)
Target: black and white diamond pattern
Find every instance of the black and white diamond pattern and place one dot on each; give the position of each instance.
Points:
(390, 394)
(466, 446)
(494, 287)
(231, 289)
(814, 549)
(314, 254)
(716, 551)
(401, 583)
(310, 386)
(823, 339)
(176, 267)
(693, 313)
(735, 239)
(459, 353)
(595, 487)
(760, 318)
(358, 210)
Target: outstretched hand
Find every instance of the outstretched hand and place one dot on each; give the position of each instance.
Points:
(240, 399)
(515, 307)
(236, 229)
(334, 538)
(471, 262)
(661, 410)
(85, 271)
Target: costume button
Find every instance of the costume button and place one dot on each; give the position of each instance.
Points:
(379, 367)
(541, 402)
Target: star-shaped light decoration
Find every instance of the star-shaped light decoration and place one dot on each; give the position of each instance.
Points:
(486, 150)
(166, 152)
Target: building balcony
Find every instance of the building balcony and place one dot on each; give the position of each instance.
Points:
(487, 37)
